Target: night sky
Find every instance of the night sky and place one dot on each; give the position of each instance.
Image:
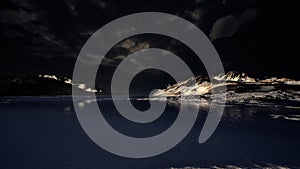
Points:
(45, 36)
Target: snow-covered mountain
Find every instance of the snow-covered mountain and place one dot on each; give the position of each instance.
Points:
(240, 88)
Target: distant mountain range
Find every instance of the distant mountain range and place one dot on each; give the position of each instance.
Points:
(12, 85)
(237, 84)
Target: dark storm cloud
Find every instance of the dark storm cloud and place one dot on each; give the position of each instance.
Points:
(46, 31)
(220, 19)
(55, 29)
(46, 36)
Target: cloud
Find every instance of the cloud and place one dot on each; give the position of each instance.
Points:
(120, 57)
(248, 15)
(18, 17)
(198, 1)
(196, 14)
(118, 52)
(46, 36)
(133, 45)
(219, 19)
(123, 49)
(224, 27)
(230, 24)
(225, 1)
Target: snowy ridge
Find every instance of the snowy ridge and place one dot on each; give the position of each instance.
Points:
(240, 89)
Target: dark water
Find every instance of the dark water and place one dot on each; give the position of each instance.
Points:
(44, 132)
